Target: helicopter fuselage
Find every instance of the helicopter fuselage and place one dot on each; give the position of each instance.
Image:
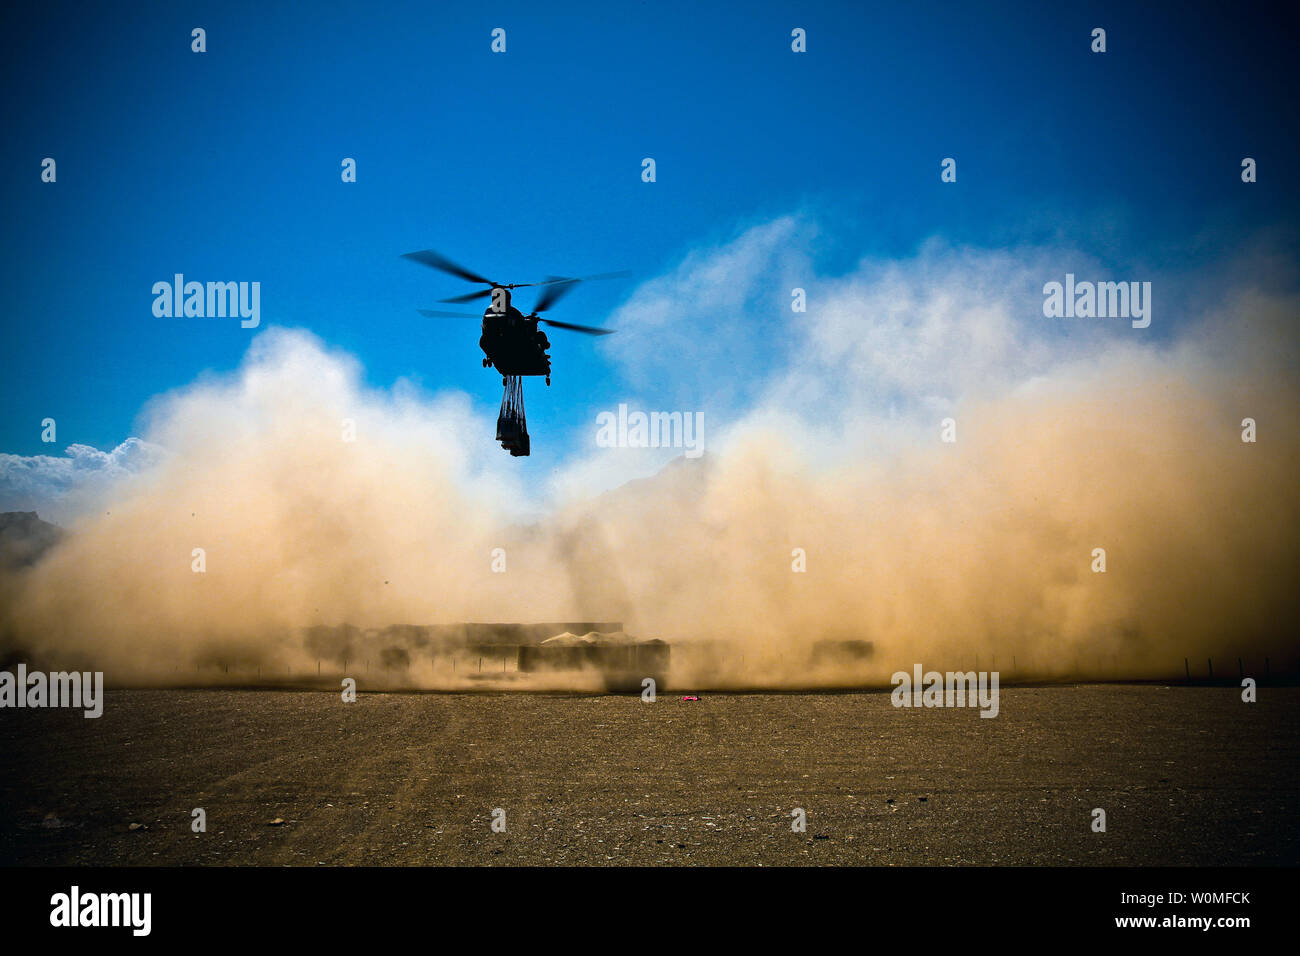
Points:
(512, 342)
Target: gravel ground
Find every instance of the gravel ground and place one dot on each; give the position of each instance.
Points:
(1185, 775)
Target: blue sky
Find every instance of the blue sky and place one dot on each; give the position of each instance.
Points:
(225, 166)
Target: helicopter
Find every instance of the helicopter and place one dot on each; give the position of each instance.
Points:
(511, 341)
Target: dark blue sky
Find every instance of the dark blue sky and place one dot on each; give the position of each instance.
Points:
(225, 165)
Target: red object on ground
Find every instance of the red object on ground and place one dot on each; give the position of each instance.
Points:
(690, 698)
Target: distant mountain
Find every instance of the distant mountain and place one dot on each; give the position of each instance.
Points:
(24, 538)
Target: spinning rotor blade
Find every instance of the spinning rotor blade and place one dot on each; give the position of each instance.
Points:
(434, 260)
(440, 314)
(585, 329)
(524, 285)
(591, 278)
(553, 292)
(559, 286)
(469, 296)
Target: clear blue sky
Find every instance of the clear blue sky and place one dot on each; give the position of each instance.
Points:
(225, 165)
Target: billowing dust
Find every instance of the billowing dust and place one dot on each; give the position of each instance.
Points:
(973, 554)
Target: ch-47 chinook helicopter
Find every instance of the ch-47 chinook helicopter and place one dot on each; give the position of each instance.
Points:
(511, 341)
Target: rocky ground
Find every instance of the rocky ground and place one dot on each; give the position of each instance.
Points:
(1185, 775)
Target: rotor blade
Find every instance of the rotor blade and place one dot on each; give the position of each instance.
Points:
(440, 314)
(469, 296)
(587, 329)
(433, 260)
(591, 278)
(553, 292)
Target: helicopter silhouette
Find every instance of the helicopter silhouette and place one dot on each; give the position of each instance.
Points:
(512, 342)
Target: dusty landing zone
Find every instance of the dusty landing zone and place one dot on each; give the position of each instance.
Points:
(1186, 776)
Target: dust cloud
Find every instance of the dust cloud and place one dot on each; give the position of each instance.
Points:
(332, 554)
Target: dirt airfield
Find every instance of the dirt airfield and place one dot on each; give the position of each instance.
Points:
(1186, 775)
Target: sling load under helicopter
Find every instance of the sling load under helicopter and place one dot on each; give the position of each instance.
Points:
(511, 341)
